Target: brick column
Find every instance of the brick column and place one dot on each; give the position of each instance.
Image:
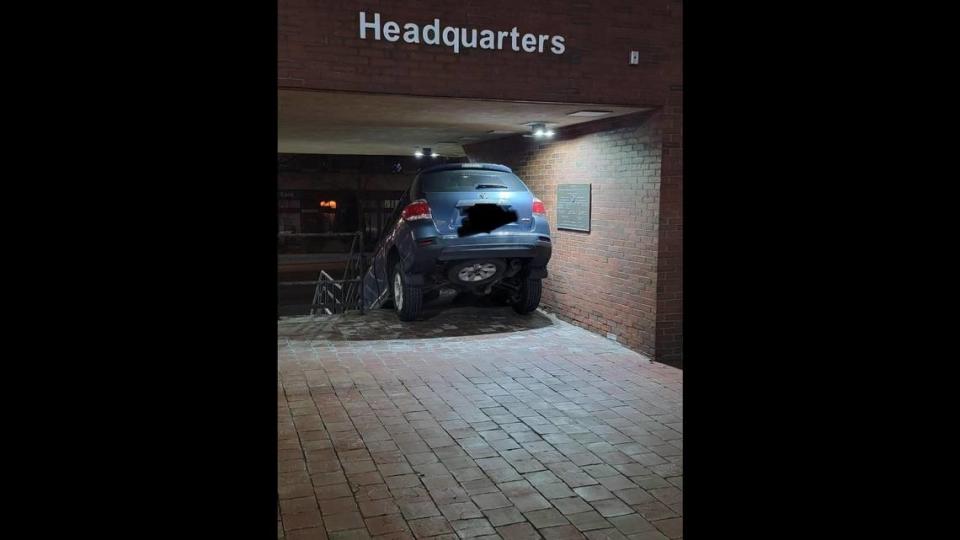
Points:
(669, 340)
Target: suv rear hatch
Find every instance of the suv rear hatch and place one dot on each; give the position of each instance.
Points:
(451, 192)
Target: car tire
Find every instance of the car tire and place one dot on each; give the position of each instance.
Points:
(407, 299)
(490, 269)
(530, 290)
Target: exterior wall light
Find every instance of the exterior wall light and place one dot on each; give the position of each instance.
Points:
(426, 152)
(541, 130)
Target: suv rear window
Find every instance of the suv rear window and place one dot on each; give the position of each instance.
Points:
(469, 180)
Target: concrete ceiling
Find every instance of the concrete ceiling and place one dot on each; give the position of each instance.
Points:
(393, 125)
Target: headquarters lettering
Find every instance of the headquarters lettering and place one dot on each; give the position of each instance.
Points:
(457, 38)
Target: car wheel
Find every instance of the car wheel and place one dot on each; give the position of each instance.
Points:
(530, 290)
(476, 273)
(407, 300)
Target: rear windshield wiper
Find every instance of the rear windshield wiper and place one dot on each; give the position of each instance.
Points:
(482, 186)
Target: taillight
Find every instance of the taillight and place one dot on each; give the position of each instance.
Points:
(538, 207)
(418, 209)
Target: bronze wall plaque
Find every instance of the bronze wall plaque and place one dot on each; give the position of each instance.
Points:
(573, 207)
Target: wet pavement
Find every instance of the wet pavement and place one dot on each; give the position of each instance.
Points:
(447, 316)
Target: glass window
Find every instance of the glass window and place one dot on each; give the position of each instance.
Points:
(469, 180)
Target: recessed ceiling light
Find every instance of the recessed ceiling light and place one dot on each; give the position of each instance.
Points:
(588, 113)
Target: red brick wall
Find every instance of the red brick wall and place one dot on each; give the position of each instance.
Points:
(320, 48)
(604, 280)
(670, 256)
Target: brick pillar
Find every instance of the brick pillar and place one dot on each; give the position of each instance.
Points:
(669, 339)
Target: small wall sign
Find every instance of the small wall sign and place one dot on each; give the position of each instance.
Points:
(573, 207)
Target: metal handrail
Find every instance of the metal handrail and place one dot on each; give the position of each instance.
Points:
(304, 283)
(315, 235)
(336, 295)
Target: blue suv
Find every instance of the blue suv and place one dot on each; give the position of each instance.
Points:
(473, 227)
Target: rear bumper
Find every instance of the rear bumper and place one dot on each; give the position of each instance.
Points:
(535, 248)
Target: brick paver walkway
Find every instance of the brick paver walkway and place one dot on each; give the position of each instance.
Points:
(478, 423)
